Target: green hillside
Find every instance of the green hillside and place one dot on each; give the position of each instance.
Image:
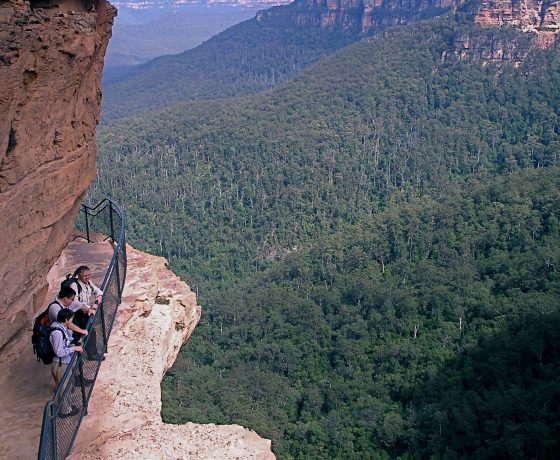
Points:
(430, 330)
(375, 247)
(141, 35)
(244, 59)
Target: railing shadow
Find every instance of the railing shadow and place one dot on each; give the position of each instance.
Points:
(59, 430)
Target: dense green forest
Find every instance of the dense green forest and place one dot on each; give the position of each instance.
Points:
(143, 34)
(429, 329)
(375, 246)
(244, 59)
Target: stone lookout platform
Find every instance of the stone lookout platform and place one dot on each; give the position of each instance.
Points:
(158, 312)
(25, 384)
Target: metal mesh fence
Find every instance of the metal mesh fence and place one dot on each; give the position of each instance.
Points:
(64, 413)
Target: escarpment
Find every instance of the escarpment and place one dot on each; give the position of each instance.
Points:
(370, 16)
(51, 57)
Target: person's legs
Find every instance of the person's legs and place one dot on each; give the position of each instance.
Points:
(57, 371)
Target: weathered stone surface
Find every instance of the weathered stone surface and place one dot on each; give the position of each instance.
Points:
(530, 15)
(50, 73)
(489, 48)
(157, 315)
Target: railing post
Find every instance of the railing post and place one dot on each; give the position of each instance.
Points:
(87, 223)
(111, 220)
(82, 384)
(53, 432)
(103, 329)
(117, 274)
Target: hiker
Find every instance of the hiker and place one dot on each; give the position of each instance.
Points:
(87, 300)
(61, 341)
(87, 292)
(65, 299)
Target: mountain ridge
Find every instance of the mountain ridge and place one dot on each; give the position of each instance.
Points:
(281, 41)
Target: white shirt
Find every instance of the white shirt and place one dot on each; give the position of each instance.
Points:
(87, 294)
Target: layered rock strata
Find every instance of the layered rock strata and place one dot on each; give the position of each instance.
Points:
(490, 48)
(541, 17)
(51, 59)
(529, 15)
(157, 315)
(362, 16)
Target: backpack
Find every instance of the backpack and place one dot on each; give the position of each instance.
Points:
(40, 339)
(69, 281)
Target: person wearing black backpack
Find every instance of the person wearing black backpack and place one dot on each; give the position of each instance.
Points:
(87, 292)
(61, 339)
(65, 299)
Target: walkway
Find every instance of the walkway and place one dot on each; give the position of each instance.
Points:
(25, 385)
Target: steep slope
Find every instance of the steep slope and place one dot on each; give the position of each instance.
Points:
(268, 173)
(283, 40)
(244, 59)
(171, 31)
(356, 230)
(430, 330)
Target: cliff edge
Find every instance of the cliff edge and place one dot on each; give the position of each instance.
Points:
(157, 315)
(51, 59)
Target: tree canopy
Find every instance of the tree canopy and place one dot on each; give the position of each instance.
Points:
(375, 245)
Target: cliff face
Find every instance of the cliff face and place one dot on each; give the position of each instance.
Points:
(530, 15)
(50, 70)
(363, 16)
(369, 16)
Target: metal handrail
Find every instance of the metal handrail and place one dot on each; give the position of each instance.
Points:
(79, 373)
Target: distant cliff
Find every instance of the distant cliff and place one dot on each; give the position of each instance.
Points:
(148, 4)
(50, 69)
(370, 16)
(365, 16)
(530, 15)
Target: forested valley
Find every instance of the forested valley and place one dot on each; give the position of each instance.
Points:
(244, 59)
(375, 245)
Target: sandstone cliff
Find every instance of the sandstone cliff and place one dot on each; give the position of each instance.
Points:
(370, 16)
(50, 69)
(529, 15)
(363, 16)
(157, 315)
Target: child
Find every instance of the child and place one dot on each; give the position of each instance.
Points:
(61, 341)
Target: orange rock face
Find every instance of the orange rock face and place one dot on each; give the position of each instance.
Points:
(50, 90)
(369, 16)
(530, 15)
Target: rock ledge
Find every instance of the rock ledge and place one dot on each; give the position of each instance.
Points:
(157, 315)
